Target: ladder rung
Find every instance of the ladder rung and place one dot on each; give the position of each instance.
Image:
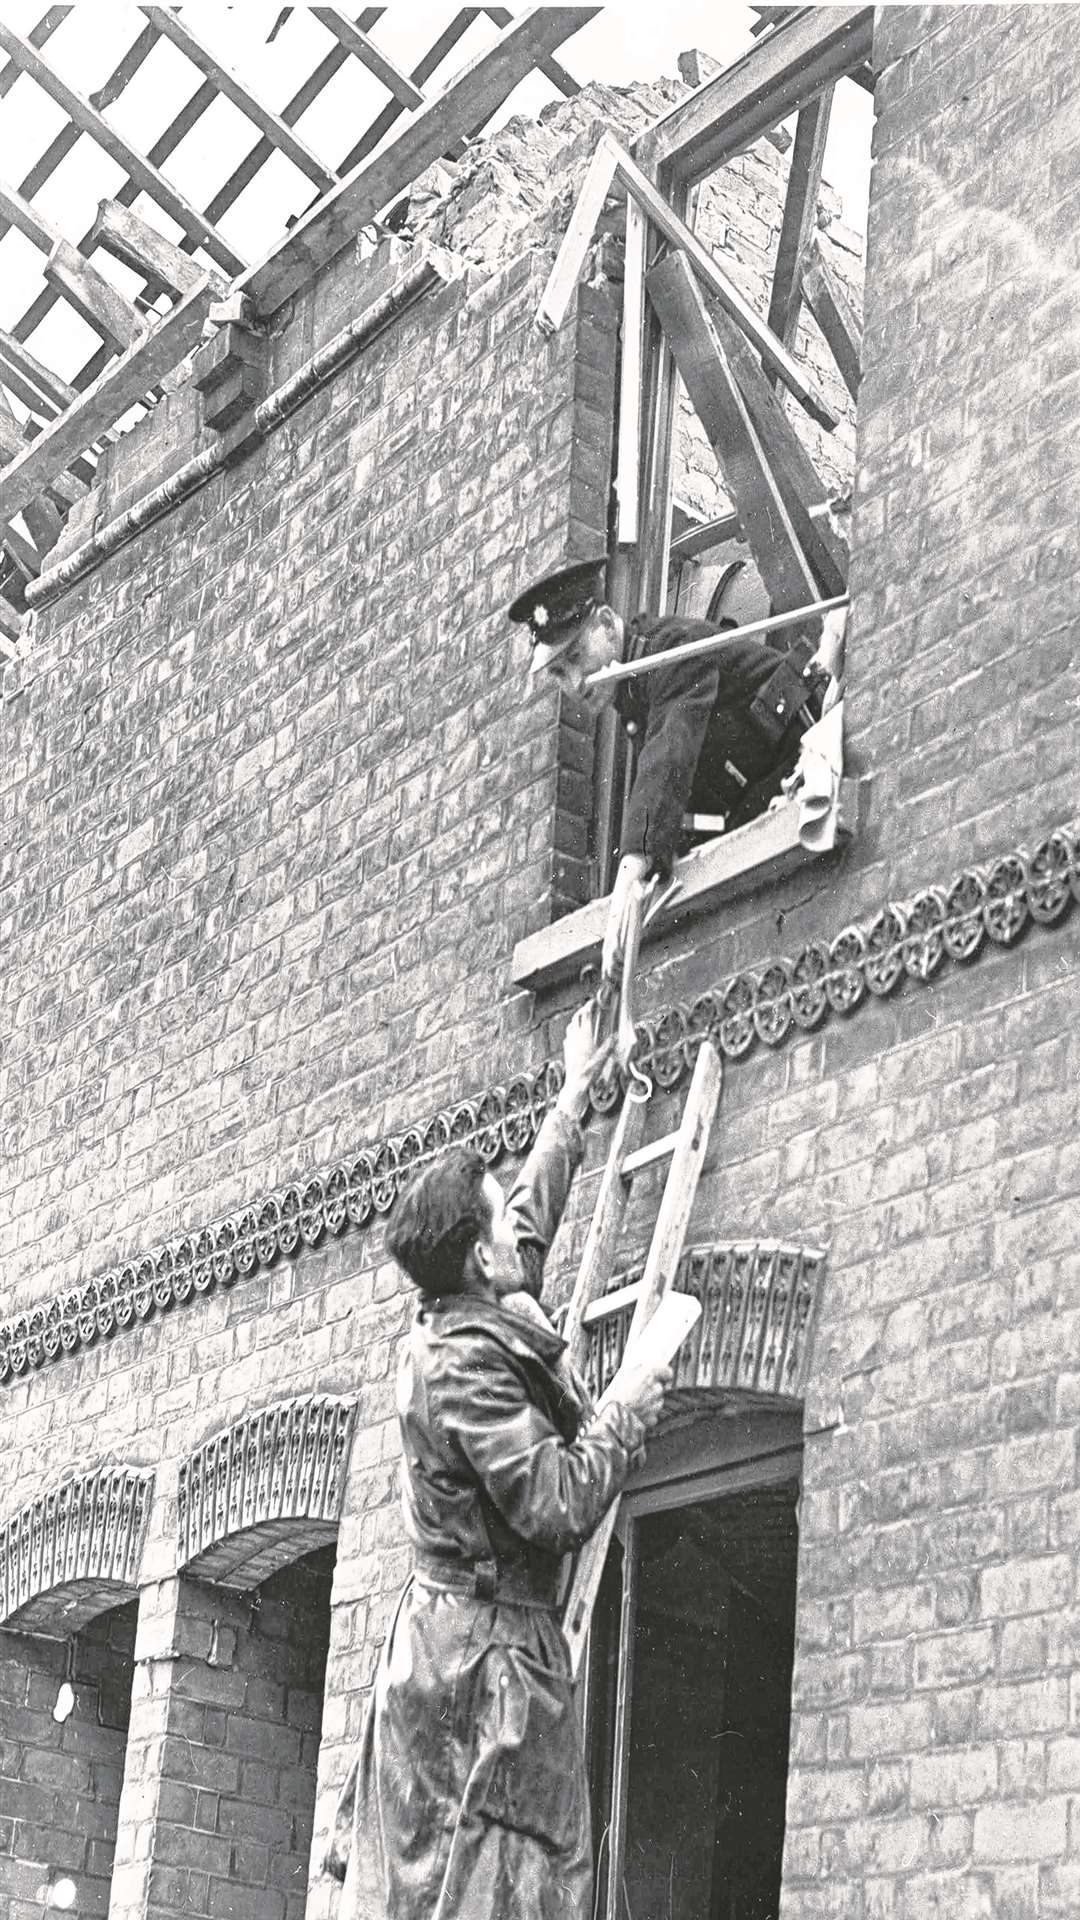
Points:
(609, 1303)
(644, 1156)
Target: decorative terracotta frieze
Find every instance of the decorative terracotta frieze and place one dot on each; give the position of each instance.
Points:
(75, 1550)
(910, 940)
(759, 1301)
(267, 1489)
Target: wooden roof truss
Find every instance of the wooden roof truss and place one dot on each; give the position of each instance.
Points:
(51, 428)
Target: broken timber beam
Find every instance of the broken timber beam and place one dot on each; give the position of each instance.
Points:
(827, 302)
(795, 473)
(471, 98)
(141, 247)
(785, 70)
(118, 388)
(101, 305)
(610, 157)
(233, 89)
(800, 215)
(369, 55)
(577, 239)
(87, 119)
(714, 393)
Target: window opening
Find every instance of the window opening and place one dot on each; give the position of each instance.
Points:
(690, 1702)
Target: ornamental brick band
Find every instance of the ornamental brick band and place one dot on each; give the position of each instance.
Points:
(759, 1303)
(909, 940)
(75, 1551)
(268, 1489)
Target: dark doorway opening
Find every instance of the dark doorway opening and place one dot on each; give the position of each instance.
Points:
(692, 1655)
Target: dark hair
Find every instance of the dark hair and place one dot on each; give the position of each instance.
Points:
(440, 1214)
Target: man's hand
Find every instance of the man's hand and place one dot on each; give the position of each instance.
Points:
(584, 1062)
(630, 876)
(645, 1393)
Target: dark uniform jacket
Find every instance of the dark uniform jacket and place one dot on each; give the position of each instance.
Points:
(717, 734)
(468, 1799)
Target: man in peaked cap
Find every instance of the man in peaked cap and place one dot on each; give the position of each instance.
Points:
(717, 734)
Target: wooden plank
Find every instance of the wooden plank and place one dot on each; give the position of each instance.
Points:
(369, 55)
(647, 1156)
(785, 70)
(58, 149)
(474, 95)
(102, 306)
(232, 88)
(118, 388)
(827, 301)
(90, 122)
(800, 215)
(577, 239)
(43, 519)
(422, 72)
(294, 110)
(745, 861)
(716, 398)
(37, 37)
(770, 16)
(794, 471)
(18, 212)
(552, 70)
(34, 384)
(602, 1241)
(177, 130)
(631, 385)
(678, 234)
(10, 629)
(706, 534)
(25, 556)
(13, 441)
(141, 247)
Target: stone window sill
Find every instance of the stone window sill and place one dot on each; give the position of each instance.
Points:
(722, 869)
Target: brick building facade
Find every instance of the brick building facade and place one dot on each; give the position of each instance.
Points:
(277, 809)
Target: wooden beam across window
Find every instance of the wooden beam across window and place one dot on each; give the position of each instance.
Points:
(714, 393)
(828, 303)
(89, 121)
(369, 55)
(118, 388)
(787, 68)
(792, 468)
(232, 88)
(800, 215)
(471, 98)
(679, 235)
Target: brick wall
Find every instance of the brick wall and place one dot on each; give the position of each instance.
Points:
(219, 1789)
(60, 1780)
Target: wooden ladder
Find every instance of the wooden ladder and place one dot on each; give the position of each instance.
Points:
(685, 1149)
